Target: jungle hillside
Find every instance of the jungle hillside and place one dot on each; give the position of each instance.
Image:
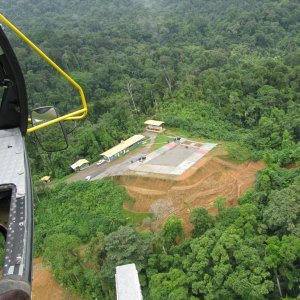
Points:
(221, 70)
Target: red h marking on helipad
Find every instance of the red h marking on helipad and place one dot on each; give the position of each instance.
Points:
(203, 151)
(171, 145)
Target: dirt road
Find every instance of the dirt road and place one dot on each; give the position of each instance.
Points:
(113, 168)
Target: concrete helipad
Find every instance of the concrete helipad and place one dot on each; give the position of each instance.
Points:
(173, 158)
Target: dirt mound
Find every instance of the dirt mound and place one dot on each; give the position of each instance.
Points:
(44, 287)
(158, 184)
(210, 178)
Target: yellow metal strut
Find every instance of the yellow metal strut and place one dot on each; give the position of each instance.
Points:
(76, 115)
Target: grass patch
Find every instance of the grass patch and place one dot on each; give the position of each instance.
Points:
(160, 141)
(238, 152)
(57, 181)
(187, 135)
(135, 218)
(160, 138)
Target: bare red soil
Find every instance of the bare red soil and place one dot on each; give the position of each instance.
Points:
(210, 178)
(44, 287)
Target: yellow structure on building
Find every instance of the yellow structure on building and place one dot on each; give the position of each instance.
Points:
(154, 126)
(46, 179)
(80, 165)
(123, 147)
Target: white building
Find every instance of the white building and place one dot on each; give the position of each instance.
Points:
(154, 126)
(80, 165)
(127, 283)
(123, 147)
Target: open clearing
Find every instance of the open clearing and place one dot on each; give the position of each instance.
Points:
(199, 186)
(171, 158)
(177, 177)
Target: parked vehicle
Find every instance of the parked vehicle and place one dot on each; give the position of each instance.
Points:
(100, 162)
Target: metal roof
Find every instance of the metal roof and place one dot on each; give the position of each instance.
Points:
(154, 123)
(12, 155)
(127, 283)
(79, 163)
(123, 145)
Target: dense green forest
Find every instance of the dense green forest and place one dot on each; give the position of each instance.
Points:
(248, 252)
(216, 69)
(219, 69)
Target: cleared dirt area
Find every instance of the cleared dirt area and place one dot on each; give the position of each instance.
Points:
(44, 287)
(212, 177)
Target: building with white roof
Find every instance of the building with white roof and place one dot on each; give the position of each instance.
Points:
(80, 165)
(154, 126)
(123, 147)
(127, 283)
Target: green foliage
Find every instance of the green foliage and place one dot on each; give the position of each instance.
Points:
(219, 204)
(172, 285)
(197, 118)
(201, 220)
(95, 252)
(61, 250)
(80, 209)
(281, 255)
(222, 70)
(172, 231)
(238, 152)
(160, 141)
(123, 246)
(228, 262)
(283, 210)
(228, 78)
(135, 218)
(241, 254)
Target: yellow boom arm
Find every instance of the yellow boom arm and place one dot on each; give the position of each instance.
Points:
(76, 115)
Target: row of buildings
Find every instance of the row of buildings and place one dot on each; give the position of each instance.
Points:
(122, 148)
(112, 153)
(132, 142)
